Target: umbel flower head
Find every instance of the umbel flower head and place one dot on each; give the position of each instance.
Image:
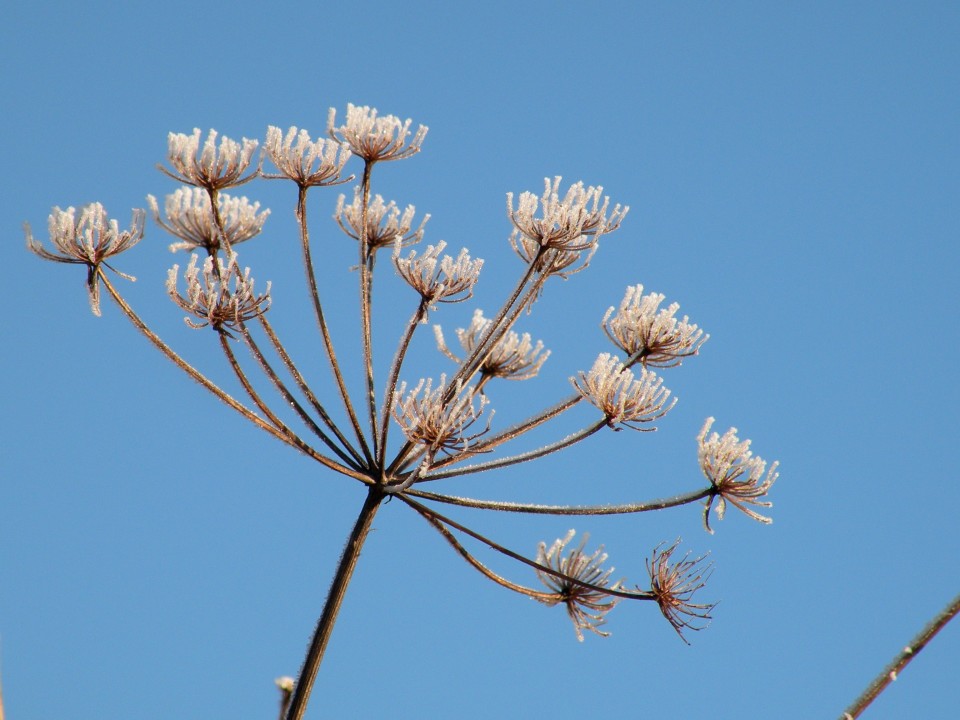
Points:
(737, 475)
(89, 239)
(513, 356)
(210, 167)
(190, 218)
(556, 232)
(428, 420)
(208, 295)
(641, 328)
(624, 399)
(674, 586)
(445, 280)
(307, 162)
(586, 606)
(386, 226)
(374, 138)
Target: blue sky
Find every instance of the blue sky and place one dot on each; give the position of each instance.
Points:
(793, 179)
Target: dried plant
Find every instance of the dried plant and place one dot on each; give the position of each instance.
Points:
(446, 425)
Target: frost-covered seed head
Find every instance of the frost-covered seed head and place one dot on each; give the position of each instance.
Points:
(375, 138)
(89, 239)
(623, 398)
(426, 419)
(737, 475)
(307, 162)
(210, 167)
(585, 606)
(641, 328)
(439, 280)
(513, 357)
(386, 225)
(208, 294)
(190, 218)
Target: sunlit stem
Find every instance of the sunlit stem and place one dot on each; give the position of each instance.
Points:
(305, 389)
(522, 457)
(292, 401)
(338, 590)
(472, 362)
(890, 672)
(401, 353)
(500, 580)
(429, 512)
(577, 510)
(322, 323)
(366, 301)
(220, 394)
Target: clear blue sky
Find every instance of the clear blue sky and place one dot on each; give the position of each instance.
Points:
(792, 170)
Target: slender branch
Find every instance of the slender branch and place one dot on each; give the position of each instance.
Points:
(366, 302)
(292, 401)
(305, 389)
(418, 315)
(521, 457)
(322, 323)
(338, 590)
(483, 569)
(891, 671)
(577, 510)
(246, 412)
(515, 431)
(424, 510)
(246, 384)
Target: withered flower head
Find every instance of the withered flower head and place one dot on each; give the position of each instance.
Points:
(641, 327)
(585, 606)
(565, 229)
(624, 399)
(373, 138)
(190, 218)
(737, 475)
(307, 162)
(385, 225)
(88, 240)
(209, 297)
(445, 280)
(428, 420)
(210, 167)
(513, 357)
(674, 587)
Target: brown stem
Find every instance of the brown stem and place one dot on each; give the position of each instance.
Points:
(322, 323)
(338, 590)
(891, 671)
(577, 510)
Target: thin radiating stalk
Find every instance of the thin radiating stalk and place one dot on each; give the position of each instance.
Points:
(578, 510)
(891, 671)
(429, 512)
(483, 569)
(338, 590)
(220, 394)
(521, 457)
(475, 358)
(366, 303)
(322, 323)
(292, 401)
(305, 389)
(395, 374)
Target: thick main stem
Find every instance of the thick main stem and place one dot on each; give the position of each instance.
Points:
(338, 590)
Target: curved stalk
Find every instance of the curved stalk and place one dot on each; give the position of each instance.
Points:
(578, 510)
(322, 323)
(228, 400)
